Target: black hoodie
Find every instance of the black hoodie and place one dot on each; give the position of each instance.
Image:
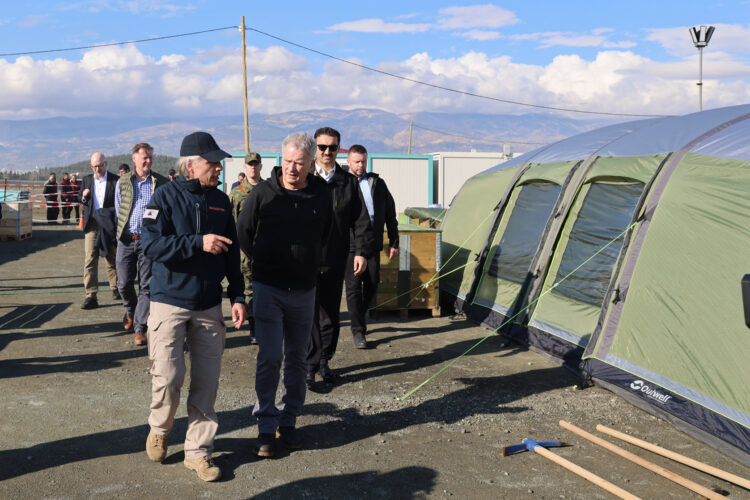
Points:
(284, 231)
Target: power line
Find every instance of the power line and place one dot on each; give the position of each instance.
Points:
(447, 89)
(477, 138)
(116, 43)
(375, 70)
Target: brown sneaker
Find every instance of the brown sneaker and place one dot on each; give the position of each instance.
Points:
(140, 339)
(266, 445)
(205, 467)
(127, 322)
(156, 446)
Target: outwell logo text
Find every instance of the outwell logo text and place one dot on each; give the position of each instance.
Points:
(641, 386)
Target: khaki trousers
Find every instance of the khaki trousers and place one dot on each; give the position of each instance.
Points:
(91, 262)
(205, 332)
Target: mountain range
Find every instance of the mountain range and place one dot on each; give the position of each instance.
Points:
(53, 142)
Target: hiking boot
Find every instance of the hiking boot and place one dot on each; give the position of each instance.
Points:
(359, 341)
(289, 437)
(156, 446)
(116, 294)
(127, 322)
(139, 339)
(90, 303)
(266, 445)
(205, 467)
(253, 340)
(310, 380)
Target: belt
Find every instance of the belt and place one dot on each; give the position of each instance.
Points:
(131, 237)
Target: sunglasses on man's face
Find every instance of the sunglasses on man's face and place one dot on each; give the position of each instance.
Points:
(332, 147)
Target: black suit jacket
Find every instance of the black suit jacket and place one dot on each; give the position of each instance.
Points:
(385, 213)
(88, 203)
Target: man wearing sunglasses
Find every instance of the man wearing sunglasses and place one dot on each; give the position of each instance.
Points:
(349, 214)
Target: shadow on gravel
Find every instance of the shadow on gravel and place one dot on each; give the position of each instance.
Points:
(31, 316)
(125, 441)
(69, 331)
(481, 395)
(41, 239)
(408, 482)
(25, 367)
(363, 371)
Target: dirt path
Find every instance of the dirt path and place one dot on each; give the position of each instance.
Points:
(75, 394)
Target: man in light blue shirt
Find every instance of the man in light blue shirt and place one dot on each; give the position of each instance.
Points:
(132, 194)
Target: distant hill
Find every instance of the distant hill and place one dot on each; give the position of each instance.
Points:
(26, 145)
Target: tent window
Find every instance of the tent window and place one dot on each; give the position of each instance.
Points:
(605, 213)
(525, 227)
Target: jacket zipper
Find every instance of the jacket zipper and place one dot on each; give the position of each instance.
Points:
(197, 218)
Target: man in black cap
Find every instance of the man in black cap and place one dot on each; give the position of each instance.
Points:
(190, 236)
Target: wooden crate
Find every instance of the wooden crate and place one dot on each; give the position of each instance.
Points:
(402, 281)
(16, 221)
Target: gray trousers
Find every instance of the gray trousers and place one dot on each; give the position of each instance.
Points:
(283, 320)
(131, 262)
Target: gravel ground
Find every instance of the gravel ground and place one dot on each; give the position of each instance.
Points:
(75, 397)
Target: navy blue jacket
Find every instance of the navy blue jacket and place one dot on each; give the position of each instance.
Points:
(182, 274)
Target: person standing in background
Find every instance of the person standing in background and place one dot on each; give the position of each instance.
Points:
(238, 195)
(361, 289)
(134, 190)
(66, 197)
(97, 193)
(50, 198)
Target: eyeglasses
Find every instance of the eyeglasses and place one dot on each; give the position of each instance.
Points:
(332, 147)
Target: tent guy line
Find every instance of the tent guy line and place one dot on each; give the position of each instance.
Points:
(511, 318)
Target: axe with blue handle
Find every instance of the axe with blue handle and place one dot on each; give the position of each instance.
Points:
(540, 448)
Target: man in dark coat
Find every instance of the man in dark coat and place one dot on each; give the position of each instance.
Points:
(50, 198)
(349, 217)
(360, 289)
(97, 192)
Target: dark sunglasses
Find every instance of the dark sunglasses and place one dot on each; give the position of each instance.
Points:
(332, 147)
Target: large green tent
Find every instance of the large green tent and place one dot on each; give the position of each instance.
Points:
(620, 252)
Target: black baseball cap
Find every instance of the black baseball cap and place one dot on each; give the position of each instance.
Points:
(202, 144)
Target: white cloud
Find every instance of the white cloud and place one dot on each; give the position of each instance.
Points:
(378, 26)
(480, 35)
(475, 16)
(166, 8)
(121, 80)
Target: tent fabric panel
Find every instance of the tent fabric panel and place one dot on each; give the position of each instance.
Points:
(661, 401)
(638, 168)
(554, 173)
(593, 245)
(519, 239)
(657, 379)
(466, 226)
(562, 314)
(685, 284)
(673, 133)
(728, 143)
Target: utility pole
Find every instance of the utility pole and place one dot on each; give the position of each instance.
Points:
(411, 128)
(244, 86)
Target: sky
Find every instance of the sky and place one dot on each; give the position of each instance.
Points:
(621, 57)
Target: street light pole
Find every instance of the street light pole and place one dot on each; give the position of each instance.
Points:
(701, 36)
